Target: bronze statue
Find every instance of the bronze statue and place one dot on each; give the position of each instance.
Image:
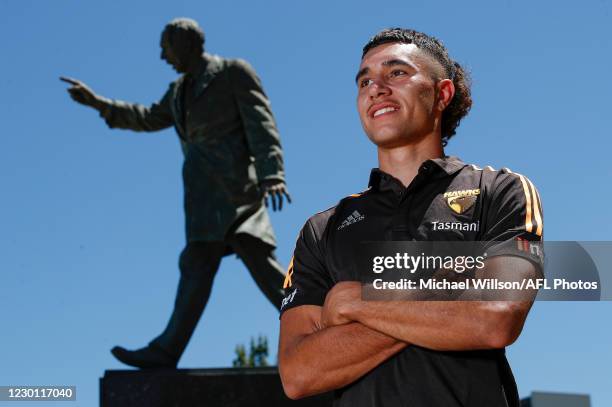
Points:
(233, 165)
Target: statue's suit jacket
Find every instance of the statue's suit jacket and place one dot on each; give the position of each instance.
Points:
(230, 143)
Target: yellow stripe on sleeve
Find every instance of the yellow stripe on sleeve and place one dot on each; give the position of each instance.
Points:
(288, 283)
(537, 210)
(528, 221)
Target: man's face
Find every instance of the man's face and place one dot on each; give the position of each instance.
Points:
(396, 94)
(173, 52)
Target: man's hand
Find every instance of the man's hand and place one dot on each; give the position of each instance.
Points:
(274, 190)
(82, 93)
(343, 297)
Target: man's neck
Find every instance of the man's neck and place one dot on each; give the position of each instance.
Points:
(403, 162)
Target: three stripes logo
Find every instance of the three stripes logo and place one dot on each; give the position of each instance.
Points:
(352, 218)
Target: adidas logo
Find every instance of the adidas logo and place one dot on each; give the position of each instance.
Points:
(352, 218)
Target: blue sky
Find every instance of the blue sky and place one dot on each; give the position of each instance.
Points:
(91, 220)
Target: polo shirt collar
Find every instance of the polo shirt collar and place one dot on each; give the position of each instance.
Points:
(448, 164)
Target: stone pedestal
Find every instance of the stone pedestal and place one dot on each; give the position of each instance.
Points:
(232, 387)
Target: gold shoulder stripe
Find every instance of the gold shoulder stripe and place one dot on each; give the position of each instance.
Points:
(528, 220)
(288, 283)
(536, 208)
(358, 194)
(530, 212)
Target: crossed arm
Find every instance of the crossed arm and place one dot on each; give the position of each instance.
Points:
(313, 359)
(326, 348)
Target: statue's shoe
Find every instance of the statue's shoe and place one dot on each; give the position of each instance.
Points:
(146, 358)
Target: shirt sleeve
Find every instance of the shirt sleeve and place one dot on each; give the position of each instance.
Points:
(515, 221)
(137, 117)
(307, 281)
(259, 124)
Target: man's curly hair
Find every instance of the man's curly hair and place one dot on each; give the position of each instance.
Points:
(462, 101)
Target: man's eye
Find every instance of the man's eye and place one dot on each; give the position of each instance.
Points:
(364, 83)
(398, 72)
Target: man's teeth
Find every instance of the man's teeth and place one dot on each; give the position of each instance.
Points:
(384, 110)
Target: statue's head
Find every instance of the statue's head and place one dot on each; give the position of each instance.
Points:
(182, 43)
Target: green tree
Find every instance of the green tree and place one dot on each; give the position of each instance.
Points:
(257, 355)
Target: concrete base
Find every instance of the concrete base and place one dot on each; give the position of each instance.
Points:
(232, 387)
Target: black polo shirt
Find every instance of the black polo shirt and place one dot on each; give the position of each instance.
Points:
(447, 200)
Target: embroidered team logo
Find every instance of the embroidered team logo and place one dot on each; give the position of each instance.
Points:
(461, 201)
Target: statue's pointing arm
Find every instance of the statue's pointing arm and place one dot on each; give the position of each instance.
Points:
(133, 116)
(118, 114)
(259, 125)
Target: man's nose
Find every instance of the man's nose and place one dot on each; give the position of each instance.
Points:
(378, 88)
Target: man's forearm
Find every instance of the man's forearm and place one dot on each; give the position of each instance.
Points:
(333, 358)
(445, 325)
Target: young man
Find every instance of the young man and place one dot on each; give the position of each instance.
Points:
(411, 97)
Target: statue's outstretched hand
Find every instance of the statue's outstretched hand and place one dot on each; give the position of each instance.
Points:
(82, 93)
(274, 190)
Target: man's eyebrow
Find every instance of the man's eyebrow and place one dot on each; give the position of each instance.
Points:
(391, 62)
(361, 72)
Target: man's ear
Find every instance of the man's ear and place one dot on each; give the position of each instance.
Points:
(446, 92)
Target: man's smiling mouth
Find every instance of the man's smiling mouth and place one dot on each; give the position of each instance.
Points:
(384, 110)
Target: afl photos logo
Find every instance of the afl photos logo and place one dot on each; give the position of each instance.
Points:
(461, 201)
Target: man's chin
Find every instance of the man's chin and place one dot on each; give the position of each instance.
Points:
(387, 139)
